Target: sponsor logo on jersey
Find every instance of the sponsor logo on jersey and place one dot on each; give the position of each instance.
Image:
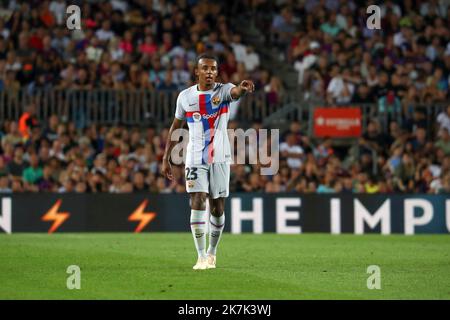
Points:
(197, 117)
(208, 116)
(190, 184)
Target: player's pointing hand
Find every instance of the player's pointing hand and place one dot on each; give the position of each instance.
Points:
(247, 86)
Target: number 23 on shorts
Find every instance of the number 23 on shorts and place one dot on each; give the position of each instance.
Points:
(191, 173)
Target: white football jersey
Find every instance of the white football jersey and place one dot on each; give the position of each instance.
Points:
(207, 115)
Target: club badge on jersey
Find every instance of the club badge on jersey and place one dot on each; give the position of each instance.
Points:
(215, 100)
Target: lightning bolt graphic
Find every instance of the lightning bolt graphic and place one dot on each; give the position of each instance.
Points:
(143, 217)
(58, 218)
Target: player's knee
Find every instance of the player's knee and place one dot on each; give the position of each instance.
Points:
(216, 212)
(198, 201)
(217, 207)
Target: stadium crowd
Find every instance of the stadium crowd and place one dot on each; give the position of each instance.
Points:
(57, 157)
(135, 44)
(340, 59)
(153, 44)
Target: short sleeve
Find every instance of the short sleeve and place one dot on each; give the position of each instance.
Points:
(180, 113)
(226, 92)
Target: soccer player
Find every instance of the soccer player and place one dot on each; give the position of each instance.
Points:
(205, 107)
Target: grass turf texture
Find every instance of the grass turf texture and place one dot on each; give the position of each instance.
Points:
(268, 266)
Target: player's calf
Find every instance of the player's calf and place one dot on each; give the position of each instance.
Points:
(216, 226)
(198, 227)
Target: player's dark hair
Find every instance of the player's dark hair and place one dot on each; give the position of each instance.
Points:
(205, 56)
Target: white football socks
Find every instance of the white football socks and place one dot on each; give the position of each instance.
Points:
(198, 226)
(216, 225)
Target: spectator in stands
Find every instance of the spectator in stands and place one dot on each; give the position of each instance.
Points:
(33, 172)
(181, 77)
(327, 184)
(274, 91)
(251, 59)
(443, 119)
(340, 89)
(28, 121)
(308, 59)
(292, 152)
(18, 164)
(239, 49)
(389, 105)
(4, 183)
(443, 142)
(148, 47)
(330, 27)
(283, 26)
(362, 95)
(139, 184)
(13, 136)
(105, 33)
(253, 184)
(46, 181)
(7, 153)
(323, 151)
(405, 174)
(168, 84)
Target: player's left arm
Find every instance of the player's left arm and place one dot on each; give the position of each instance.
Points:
(246, 86)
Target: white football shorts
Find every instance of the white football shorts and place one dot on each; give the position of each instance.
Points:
(213, 179)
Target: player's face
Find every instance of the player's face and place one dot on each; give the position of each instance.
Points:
(206, 71)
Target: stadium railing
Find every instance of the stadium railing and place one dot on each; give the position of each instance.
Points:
(156, 107)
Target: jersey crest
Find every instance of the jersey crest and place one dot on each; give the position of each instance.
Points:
(215, 100)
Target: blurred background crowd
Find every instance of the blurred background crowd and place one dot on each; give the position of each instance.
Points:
(152, 45)
(136, 44)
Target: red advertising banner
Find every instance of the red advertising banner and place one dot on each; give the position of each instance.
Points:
(337, 122)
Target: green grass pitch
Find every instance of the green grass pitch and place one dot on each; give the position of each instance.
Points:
(268, 266)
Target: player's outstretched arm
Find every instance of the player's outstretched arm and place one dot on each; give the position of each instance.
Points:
(166, 168)
(244, 87)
